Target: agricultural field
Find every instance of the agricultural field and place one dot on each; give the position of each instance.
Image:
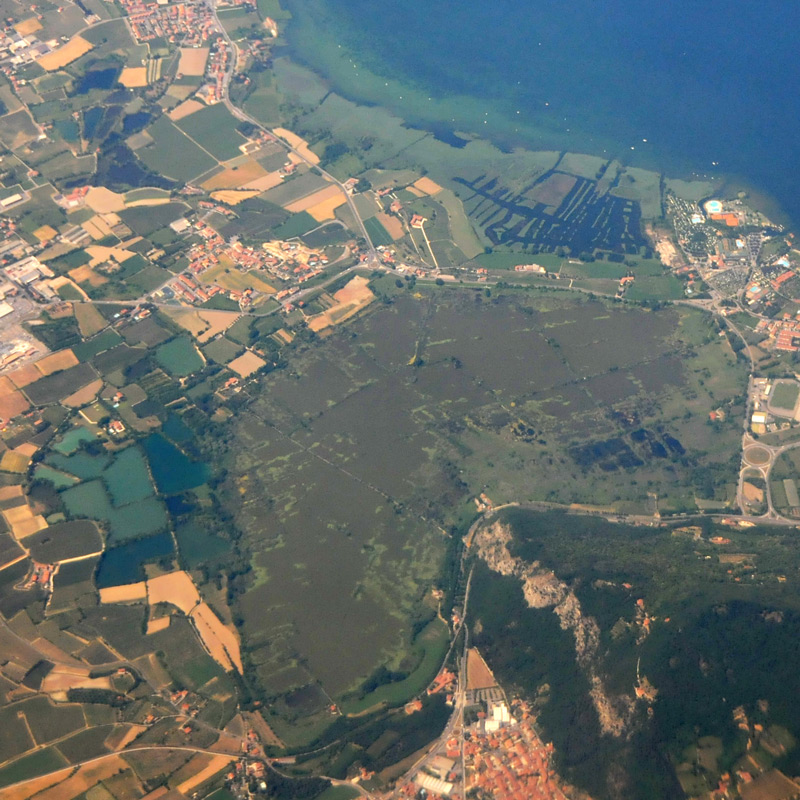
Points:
(214, 129)
(168, 140)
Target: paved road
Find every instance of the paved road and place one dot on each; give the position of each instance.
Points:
(373, 259)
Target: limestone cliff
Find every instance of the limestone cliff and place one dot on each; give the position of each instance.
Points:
(542, 589)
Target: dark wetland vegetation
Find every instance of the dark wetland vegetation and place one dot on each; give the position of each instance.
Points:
(555, 211)
(355, 464)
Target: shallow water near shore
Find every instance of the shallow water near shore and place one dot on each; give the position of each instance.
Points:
(688, 89)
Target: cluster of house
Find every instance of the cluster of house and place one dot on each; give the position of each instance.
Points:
(505, 758)
(216, 70)
(288, 261)
(40, 575)
(292, 260)
(190, 24)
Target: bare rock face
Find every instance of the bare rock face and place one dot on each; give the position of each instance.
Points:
(542, 589)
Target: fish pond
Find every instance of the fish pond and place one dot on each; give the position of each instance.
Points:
(173, 471)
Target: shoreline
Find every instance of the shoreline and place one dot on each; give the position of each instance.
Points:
(429, 114)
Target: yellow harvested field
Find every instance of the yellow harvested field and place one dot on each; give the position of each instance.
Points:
(62, 280)
(217, 322)
(90, 320)
(236, 176)
(84, 779)
(427, 186)
(102, 254)
(193, 60)
(203, 325)
(268, 181)
(28, 26)
(27, 526)
(221, 642)
(55, 362)
(320, 196)
(133, 77)
(234, 196)
(13, 516)
(9, 492)
(176, 588)
(156, 625)
(752, 493)
(393, 225)
(120, 743)
(24, 375)
(29, 788)
(223, 275)
(72, 50)
(479, 676)
(97, 227)
(325, 210)
(416, 192)
(217, 764)
(350, 299)
(127, 593)
(83, 396)
(60, 681)
(298, 143)
(86, 274)
(27, 449)
(61, 311)
(14, 462)
(246, 364)
(12, 401)
(103, 200)
(185, 109)
(45, 233)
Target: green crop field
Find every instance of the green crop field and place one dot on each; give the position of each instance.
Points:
(168, 140)
(784, 395)
(38, 763)
(296, 225)
(214, 129)
(179, 357)
(222, 350)
(376, 231)
(60, 384)
(90, 348)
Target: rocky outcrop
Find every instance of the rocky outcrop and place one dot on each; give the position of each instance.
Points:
(542, 589)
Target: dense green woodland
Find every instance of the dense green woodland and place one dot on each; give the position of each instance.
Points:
(726, 644)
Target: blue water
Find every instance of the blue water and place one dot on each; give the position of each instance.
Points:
(124, 564)
(173, 471)
(702, 82)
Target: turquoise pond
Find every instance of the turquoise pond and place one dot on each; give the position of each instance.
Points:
(59, 479)
(127, 478)
(82, 465)
(177, 430)
(173, 471)
(72, 440)
(90, 500)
